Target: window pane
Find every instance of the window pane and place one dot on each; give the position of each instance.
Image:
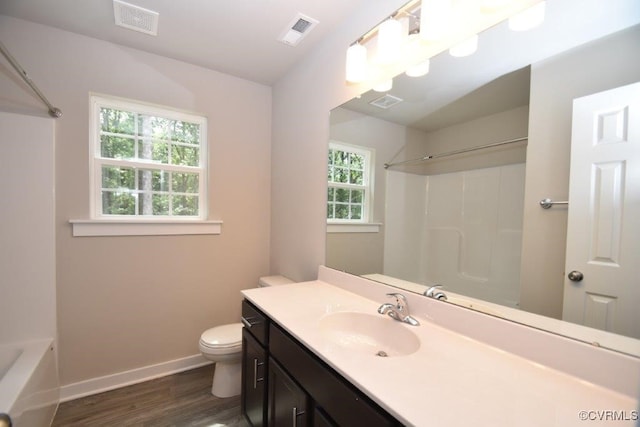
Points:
(153, 180)
(330, 193)
(356, 196)
(342, 212)
(341, 158)
(154, 127)
(160, 152)
(340, 175)
(356, 177)
(357, 161)
(342, 195)
(185, 182)
(186, 132)
(115, 177)
(356, 212)
(185, 205)
(187, 156)
(114, 147)
(117, 121)
(161, 204)
(153, 204)
(118, 203)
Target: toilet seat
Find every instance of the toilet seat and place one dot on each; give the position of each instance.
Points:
(221, 340)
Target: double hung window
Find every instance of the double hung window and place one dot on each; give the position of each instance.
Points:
(349, 183)
(147, 161)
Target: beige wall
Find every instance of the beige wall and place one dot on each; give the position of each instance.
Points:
(606, 64)
(127, 302)
(489, 129)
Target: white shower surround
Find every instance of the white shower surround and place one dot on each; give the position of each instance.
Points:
(29, 383)
(462, 230)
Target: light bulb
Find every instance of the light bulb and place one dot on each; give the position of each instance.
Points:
(390, 38)
(418, 70)
(383, 86)
(435, 19)
(356, 63)
(465, 48)
(528, 18)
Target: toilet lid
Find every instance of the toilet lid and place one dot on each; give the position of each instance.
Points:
(223, 336)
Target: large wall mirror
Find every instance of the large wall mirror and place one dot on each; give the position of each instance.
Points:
(460, 159)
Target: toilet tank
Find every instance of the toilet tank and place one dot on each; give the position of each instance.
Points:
(273, 281)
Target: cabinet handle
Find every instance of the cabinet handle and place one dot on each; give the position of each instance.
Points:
(255, 373)
(294, 416)
(247, 322)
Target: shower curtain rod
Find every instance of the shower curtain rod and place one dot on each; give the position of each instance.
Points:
(53, 111)
(451, 153)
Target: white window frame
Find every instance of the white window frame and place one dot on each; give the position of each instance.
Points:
(368, 187)
(100, 224)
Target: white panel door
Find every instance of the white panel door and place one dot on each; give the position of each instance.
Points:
(603, 233)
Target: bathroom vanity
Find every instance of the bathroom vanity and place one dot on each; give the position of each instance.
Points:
(283, 383)
(318, 353)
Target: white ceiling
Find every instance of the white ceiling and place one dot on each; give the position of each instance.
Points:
(237, 37)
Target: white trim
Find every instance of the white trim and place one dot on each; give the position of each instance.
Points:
(151, 227)
(134, 376)
(363, 227)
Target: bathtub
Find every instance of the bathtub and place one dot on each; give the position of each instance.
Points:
(29, 387)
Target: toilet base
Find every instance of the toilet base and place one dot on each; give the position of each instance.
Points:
(227, 378)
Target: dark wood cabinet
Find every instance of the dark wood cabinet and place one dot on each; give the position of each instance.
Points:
(288, 402)
(255, 369)
(293, 387)
(254, 380)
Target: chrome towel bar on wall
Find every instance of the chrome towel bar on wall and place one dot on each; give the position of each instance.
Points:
(547, 203)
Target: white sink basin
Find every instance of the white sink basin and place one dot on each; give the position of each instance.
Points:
(372, 334)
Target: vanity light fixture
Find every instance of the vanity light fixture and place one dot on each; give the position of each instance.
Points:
(421, 29)
(465, 48)
(529, 18)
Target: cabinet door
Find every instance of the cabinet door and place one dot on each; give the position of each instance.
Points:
(254, 379)
(320, 419)
(288, 403)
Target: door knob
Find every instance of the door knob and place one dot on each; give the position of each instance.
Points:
(575, 276)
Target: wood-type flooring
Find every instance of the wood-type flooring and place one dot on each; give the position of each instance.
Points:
(178, 400)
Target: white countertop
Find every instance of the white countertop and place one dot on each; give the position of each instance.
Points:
(451, 380)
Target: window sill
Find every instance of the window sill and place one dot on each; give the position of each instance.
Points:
(94, 227)
(364, 227)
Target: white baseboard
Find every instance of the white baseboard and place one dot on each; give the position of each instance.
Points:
(134, 376)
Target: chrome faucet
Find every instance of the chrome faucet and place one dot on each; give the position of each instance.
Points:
(435, 292)
(399, 310)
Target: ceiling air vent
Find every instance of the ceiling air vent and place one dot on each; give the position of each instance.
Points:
(135, 17)
(297, 29)
(386, 101)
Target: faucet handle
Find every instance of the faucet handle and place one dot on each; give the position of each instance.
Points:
(401, 300)
(397, 295)
(433, 292)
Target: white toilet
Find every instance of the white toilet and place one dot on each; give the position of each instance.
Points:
(223, 345)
